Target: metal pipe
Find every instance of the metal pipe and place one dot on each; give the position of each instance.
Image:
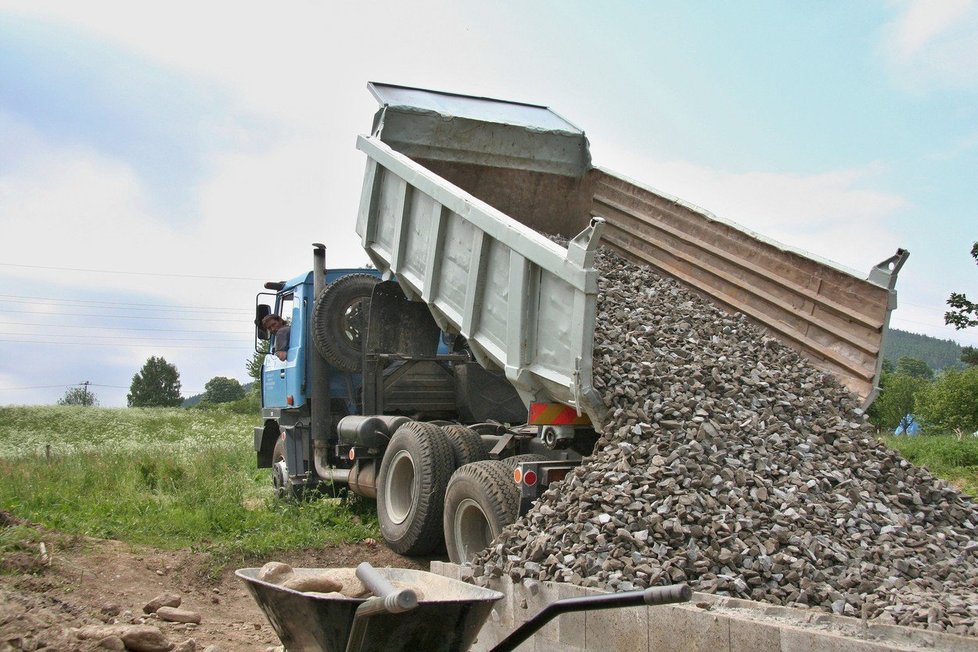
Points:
(363, 479)
(339, 476)
(318, 373)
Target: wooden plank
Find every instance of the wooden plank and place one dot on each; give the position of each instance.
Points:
(856, 371)
(869, 321)
(871, 348)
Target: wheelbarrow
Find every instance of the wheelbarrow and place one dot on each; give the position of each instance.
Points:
(446, 617)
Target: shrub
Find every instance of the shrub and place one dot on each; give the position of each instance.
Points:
(951, 401)
(896, 400)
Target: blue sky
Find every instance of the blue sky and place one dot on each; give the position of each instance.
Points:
(158, 162)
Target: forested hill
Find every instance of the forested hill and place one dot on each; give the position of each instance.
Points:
(938, 354)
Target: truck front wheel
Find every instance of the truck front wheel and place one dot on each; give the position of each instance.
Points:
(411, 488)
(284, 489)
(480, 501)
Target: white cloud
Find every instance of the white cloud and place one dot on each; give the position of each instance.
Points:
(836, 215)
(933, 44)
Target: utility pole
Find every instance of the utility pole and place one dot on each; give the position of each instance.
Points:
(85, 393)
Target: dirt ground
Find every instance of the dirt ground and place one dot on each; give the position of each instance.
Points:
(45, 598)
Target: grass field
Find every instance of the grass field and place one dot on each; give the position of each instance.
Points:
(946, 456)
(175, 478)
(170, 478)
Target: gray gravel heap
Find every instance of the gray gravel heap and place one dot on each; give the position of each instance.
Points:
(729, 462)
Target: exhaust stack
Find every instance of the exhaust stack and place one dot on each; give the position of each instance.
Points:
(319, 376)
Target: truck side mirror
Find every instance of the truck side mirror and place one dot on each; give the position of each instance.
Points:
(262, 311)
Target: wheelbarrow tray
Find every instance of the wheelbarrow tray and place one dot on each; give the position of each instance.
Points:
(448, 617)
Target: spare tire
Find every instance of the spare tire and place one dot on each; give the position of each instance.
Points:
(339, 320)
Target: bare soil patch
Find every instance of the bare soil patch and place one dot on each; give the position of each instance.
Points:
(93, 582)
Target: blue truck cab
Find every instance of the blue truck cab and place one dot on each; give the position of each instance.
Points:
(285, 384)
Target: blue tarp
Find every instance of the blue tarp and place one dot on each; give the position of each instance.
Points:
(908, 426)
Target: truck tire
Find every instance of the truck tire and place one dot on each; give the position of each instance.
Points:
(411, 488)
(339, 320)
(480, 501)
(284, 488)
(467, 445)
(514, 461)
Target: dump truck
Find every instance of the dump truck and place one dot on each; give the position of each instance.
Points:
(451, 382)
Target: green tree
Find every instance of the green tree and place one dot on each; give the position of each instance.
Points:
(951, 401)
(969, 356)
(223, 390)
(253, 366)
(157, 384)
(897, 399)
(914, 367)
(963, 313)
(80, 395)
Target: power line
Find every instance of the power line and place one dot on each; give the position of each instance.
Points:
(131, 273)
(84, 314)
(113, 304)
(122, 328)
(120, 344)
(112, 337)
(17, 389)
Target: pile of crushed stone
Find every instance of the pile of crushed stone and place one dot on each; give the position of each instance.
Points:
(730, 462)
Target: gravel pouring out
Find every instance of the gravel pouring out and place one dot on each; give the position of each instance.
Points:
(731, 463)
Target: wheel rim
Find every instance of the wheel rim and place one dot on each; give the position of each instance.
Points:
(353, 322)
(280, 477)
(473, 533)
(399, 492)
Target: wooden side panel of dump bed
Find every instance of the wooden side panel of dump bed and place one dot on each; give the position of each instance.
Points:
(835, 318)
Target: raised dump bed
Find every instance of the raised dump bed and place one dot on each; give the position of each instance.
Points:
(459, 189)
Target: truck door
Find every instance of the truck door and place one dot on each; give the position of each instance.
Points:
(277, 373)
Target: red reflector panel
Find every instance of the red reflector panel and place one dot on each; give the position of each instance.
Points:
(290, 399)
(556, 414)
(530, 478)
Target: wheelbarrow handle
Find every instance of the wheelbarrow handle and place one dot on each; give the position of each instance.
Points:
(394, 600)
(655, 595)
(667, 594)
(388, 600)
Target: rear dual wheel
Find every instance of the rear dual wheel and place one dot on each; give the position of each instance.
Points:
(411, 488)
(480, 501)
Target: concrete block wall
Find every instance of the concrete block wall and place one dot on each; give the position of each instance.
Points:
(706, 623)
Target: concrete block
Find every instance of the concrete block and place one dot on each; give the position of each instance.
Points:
(536, 596)
(622, 630)
(570, 627)
(553, 646)
(452, 571)
(687, 629)
(802, 640)
(753, 636)
(506, 606)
